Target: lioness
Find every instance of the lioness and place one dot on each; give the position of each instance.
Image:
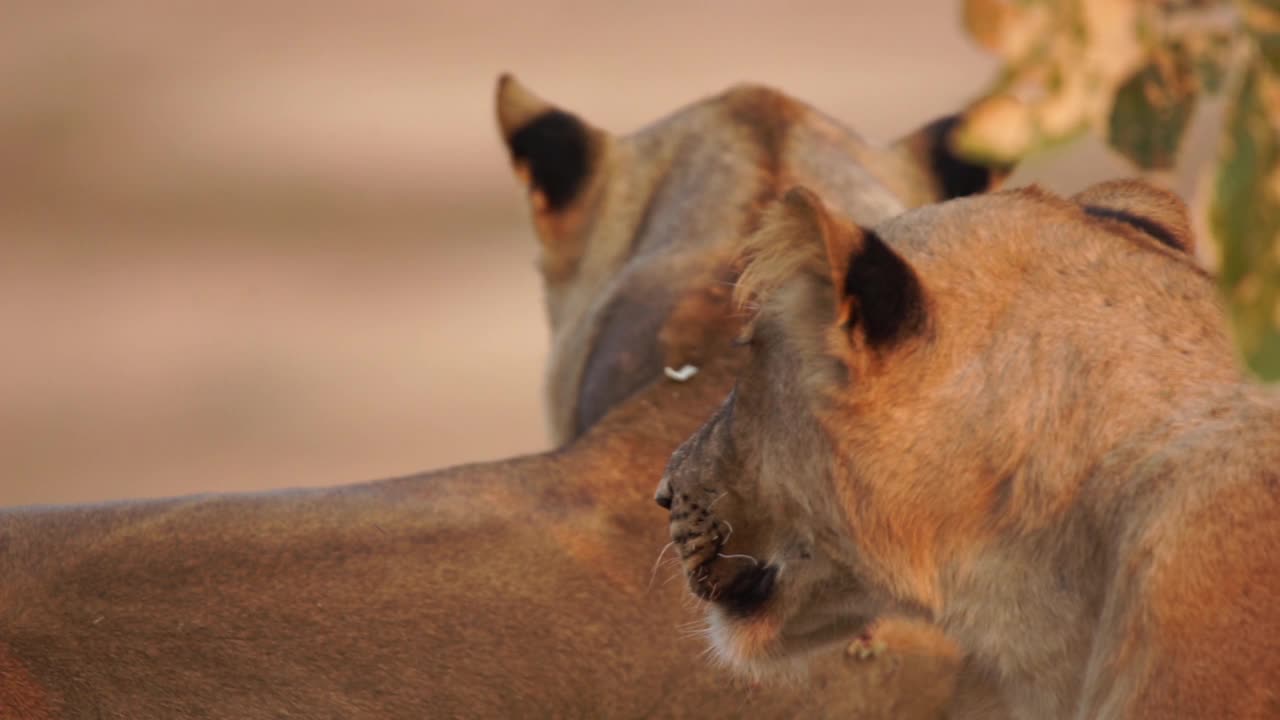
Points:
(1017, 416)
(629, 224)
(510, 589)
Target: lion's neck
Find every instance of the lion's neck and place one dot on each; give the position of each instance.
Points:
(1032, 605)
(655, 421)
(1024, 612)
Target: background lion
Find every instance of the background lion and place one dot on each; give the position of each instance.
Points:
(1017, 416)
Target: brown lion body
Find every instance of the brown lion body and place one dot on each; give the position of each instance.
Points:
(1019, 417)
(492, 590)
(520, 588)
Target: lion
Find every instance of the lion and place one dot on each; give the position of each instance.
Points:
(678, 197)
(520, 588)
(1016, 416)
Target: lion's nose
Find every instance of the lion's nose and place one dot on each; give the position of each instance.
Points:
(663, 497)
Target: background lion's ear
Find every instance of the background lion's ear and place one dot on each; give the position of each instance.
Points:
(1152, 210)
(929, 151)
(553, 151)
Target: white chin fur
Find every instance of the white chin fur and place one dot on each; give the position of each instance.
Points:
(730, 648)
(721, 636)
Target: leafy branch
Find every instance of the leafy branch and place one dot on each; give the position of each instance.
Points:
(1134, 71)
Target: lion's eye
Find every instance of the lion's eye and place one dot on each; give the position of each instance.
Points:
(747, 336)
(747, 339)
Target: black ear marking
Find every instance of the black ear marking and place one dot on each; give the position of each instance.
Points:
(556, 148)
(1162, 234)
(956, 176)
(889, 302)
(1153, 211)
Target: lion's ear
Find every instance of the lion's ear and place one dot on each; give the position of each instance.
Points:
(876, 292)
(1151, 210)
(885, 297)
(553, 151)
(929, 150)
(812, 220)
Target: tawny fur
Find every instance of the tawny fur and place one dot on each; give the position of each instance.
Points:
(663, 205)
(521, 588)
(1063, 467)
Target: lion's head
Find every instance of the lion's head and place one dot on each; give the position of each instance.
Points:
(629, 224)
(918, 391)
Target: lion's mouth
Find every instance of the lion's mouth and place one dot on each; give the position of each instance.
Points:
(749, 590)
(738, 584)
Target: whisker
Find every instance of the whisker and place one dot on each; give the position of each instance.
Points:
(725, 541)
(654, 573)
(748, 557)
(693, 632)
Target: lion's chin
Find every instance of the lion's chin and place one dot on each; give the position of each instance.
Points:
(763, 644)
(744, 642)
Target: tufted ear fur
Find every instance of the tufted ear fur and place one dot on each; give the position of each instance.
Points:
(929, 150)
(554, 152)
(874, 292)
(1151, 210)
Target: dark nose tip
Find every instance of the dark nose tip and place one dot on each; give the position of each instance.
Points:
(663, 497)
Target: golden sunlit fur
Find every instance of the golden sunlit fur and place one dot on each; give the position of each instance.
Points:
(1035, 434)
(529, 587)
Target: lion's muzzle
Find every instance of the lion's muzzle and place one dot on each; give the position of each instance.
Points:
(663, 496)
(737, 582)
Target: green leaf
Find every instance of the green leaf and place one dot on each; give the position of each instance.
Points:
(1263, 20)
(1150, 112)
(1212, 61)
(1245, 218)
(1269, 48)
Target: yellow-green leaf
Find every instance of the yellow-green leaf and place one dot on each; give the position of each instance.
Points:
(1150, 112)
(1245, 217)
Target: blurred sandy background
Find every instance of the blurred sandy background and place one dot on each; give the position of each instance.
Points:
(249, 245)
